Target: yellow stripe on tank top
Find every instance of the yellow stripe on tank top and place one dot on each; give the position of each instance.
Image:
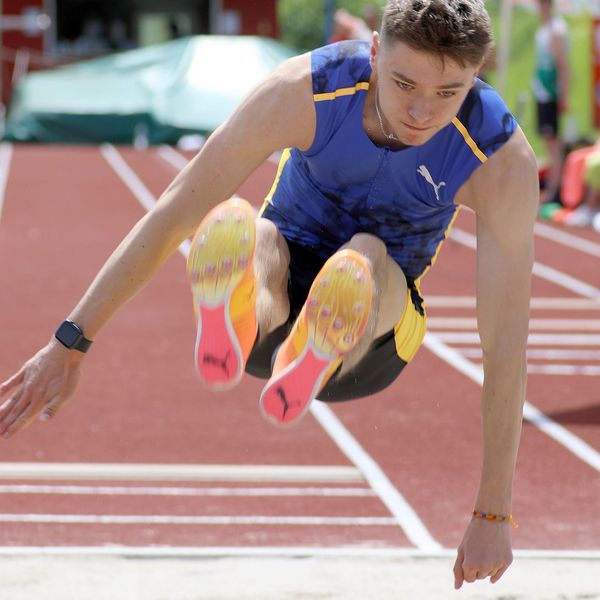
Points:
(285, 155)
(361, 85)
(470, 141)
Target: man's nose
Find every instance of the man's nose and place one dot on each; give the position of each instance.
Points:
(420, 110)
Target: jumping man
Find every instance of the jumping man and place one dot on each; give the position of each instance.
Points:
(320, 294)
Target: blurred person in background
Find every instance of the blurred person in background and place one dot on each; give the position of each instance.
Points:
(370, 16)
(551, 91)
(580, 189)
(346, 26)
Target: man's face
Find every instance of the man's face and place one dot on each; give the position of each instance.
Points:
(418, 94)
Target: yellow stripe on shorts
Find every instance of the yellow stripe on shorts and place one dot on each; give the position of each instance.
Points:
(409, 331)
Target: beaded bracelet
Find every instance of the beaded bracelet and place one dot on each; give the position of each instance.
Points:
(493, 517)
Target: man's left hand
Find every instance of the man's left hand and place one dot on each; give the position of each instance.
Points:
(485, 551)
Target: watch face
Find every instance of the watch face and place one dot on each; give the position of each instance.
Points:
(68, 334)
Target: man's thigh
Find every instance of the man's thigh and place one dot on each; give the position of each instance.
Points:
(386, 358)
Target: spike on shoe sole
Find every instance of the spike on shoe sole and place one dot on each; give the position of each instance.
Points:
(330, 324)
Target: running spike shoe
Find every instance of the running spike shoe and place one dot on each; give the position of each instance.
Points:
(330, 324)
(221, 274)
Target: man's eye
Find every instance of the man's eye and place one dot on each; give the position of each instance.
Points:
(403, 86)
(447, 94)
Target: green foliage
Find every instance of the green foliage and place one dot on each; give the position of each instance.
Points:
(518, 94)
(302, 22)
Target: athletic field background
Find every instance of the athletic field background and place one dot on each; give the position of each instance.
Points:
(518, 93)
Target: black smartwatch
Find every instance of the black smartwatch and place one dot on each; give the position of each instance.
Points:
(69, 334)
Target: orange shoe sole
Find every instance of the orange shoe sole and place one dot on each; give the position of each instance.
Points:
(220, 271)
(330, 324)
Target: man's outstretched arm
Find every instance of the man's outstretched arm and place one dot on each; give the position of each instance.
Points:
(504, 194)
(277, 114)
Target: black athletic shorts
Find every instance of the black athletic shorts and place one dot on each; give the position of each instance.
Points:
(383, 362)
(547, 118)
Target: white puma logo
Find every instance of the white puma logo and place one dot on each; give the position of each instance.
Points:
(424, 171)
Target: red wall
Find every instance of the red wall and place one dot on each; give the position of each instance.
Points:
(258, 17)
(14, 40)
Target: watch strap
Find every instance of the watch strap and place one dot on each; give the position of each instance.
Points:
(70, 335)
(82, 344)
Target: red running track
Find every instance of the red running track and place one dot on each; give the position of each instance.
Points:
(144, 458)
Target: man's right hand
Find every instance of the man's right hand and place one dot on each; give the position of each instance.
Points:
(42, 385)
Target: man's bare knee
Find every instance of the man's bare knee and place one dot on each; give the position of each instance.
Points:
(271, 263)
(390, 282)
(272, 256)
(371, 247)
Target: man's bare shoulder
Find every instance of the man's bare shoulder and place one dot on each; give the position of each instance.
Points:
(281, 106)
(508, 178)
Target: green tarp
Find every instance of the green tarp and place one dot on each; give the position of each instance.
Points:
(189, 85)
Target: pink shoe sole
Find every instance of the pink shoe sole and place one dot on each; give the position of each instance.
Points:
(218, 356)
(286, 397)
(219, 261)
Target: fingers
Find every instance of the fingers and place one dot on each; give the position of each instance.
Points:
(59, 396)
(16, 379)
(458, 570)
(471, 573)
(52, 407)
(463, 572)
(27, 401)
(498, 574)
(42, 385)
(16, 411)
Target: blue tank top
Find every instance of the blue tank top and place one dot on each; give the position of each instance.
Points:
(345, 184)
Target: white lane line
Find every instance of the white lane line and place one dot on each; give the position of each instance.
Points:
(566, 281)
(536, 303)
(195, 520)
(561, 435)
(543, 271)
(534, 339)
(177, 160)
(541, 354)
(567, 370)
(273, 551)
(406, 517)
(105, 490)
(534, 324)
(167, 472)
(6, 152)
(567, 239)
(562, 370)
(131, 180)
(134, 183)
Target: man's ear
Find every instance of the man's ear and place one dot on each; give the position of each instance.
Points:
(375, 43)
(488, 58)
(478, 70)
